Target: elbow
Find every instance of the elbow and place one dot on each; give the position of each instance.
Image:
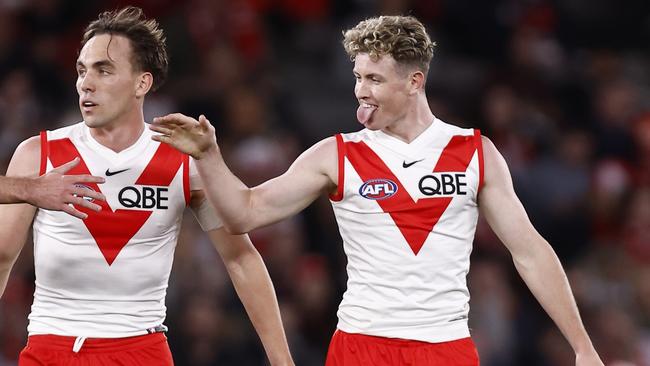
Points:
(236, 228)
(6, 260)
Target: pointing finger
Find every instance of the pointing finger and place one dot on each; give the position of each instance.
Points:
(67, 166)
(87, 179)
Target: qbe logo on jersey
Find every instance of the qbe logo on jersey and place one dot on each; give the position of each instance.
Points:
(378, 189)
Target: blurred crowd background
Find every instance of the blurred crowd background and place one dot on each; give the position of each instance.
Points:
(561, 87)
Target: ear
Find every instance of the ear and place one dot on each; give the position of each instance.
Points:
(416, 82)
(144, 84)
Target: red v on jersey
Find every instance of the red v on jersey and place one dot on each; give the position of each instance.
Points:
(415, 220)
(112, 230)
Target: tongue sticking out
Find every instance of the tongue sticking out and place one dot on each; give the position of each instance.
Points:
(364, 114)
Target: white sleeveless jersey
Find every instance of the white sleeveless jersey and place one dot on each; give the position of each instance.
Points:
(107, 276)
(407, 214)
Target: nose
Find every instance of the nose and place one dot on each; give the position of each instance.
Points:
(361, 89)
(86, 83)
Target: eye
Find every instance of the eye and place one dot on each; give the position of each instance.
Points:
(81, 72)
(104, 72)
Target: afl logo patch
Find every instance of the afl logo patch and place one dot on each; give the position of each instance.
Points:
(378, 189)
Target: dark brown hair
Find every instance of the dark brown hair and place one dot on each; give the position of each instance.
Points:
(149, 52)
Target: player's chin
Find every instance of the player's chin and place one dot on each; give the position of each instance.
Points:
(92, 121)
(373, 124)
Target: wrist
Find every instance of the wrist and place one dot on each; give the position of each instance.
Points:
(584, 348)
(284, 361)
(210, 152)
(21, 189)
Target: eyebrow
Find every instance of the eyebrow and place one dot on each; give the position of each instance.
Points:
(97, 64)
(369, 76)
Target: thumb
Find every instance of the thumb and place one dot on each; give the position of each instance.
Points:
(203, 121)
(67, 166)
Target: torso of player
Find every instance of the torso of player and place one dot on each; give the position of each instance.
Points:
(407, 214)
(107, 276)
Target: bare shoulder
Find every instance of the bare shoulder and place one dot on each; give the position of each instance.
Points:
(488, 147)
(325, 146)
(26, 159)
(322, 157)
(496, 169)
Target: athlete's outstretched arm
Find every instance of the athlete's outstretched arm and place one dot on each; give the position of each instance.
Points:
(16, 218)
(241, 208)
(533, 257)
(52, 191)
(250, 279)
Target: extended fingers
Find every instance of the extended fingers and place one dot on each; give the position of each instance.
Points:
(73, 211)
(86, 179)
(67, 166)
(89, 193)
(161, 129)
(85, 203)
(162, 138)
(177, 119)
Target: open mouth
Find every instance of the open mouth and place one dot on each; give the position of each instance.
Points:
(88, 106)
(365, 111)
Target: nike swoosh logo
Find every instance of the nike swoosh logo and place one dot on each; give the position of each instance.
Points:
(406, 165)
(110, 173)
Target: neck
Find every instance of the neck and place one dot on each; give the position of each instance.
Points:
(120, 135)
(417, 118)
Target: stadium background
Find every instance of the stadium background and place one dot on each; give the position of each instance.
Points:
(561, 87)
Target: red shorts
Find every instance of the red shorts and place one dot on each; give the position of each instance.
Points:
(358, 349)
(149, 349)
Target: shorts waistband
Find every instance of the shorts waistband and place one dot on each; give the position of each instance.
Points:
(94, 345)
(398, 341)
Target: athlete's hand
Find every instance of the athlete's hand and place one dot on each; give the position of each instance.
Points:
(57, 191)
(185, 134)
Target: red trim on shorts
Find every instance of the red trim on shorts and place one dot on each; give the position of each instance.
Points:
(478, 141)
(340, 148)
(44, 153)
(186, 178)
(94, 345)
(353, 349)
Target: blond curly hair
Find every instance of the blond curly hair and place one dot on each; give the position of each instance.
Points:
(402, 37)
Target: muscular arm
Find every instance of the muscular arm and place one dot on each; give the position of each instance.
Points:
(241, 208)
(254, 287)
(52, 191)
(16, 218)
(533, 257)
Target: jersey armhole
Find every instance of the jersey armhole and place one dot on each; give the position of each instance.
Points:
(479, 148)
(186, 179)
(44, 153)
(340, 149)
